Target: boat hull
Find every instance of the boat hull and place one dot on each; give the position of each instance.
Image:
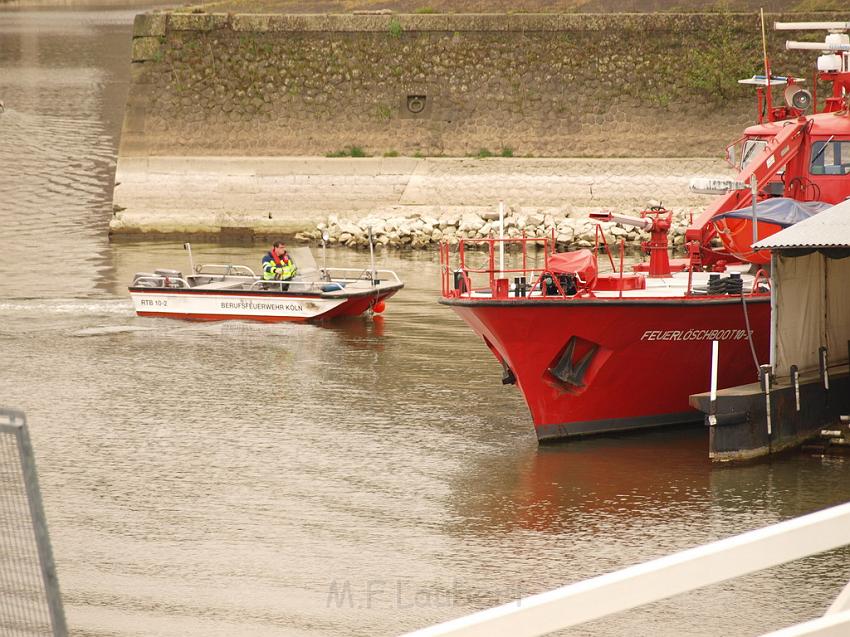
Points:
(589, 366)
(269, 307)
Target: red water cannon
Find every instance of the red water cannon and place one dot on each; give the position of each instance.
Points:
(657, 221)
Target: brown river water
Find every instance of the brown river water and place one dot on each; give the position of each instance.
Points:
(362, 478)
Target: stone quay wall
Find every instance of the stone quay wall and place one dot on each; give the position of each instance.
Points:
(232, 120)
(556, 85)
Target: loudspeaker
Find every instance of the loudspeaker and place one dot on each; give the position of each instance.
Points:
(797, 97)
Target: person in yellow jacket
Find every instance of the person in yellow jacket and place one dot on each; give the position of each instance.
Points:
(277, 264)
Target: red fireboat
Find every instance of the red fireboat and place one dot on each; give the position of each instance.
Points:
(596, 352)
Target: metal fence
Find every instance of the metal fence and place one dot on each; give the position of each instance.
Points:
(30, 603)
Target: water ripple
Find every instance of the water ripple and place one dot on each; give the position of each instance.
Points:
(57, 202)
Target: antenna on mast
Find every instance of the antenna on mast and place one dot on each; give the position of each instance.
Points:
(836, 46)
(766, 64)
(832, 27)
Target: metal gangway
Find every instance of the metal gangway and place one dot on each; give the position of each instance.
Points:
(667, 576)
(30, 602)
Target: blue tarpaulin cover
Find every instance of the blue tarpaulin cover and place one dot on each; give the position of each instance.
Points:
(781, 211)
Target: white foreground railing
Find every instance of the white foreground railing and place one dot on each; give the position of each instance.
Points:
(667, 576)
(30, 602)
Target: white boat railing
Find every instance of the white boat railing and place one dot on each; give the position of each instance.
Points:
(224, 269)
(147, 280)
(242, 277)
(294, 285)
(326, 274)
(667, 576)
(355, 274)
(329, 280)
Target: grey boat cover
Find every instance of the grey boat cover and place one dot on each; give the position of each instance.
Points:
(780, 211)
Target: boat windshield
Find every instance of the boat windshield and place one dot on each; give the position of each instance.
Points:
(830, 158)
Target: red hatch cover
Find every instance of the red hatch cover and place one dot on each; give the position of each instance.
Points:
(580, 262)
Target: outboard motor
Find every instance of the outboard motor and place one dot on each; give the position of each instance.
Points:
(146, 280)
(171, 278)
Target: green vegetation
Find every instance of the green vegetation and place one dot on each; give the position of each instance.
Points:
(660, 98)
(391, 153)
(191, 48)
(424, 10)
(482, 153)
(725, 57)
(384, 112)
(159, 54)
(395, 28)
(351, 151)
(507, 151)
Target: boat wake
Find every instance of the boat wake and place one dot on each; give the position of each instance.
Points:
(67, 307)
(110, 330)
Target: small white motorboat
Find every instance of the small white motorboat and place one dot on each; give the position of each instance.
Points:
(215, 292)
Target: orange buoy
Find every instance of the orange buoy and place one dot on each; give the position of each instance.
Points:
(379, 307)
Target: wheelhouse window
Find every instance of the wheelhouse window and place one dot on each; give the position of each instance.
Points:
(830, 158)
(750, 150)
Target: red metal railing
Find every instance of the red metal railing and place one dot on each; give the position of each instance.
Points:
(457, 281)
